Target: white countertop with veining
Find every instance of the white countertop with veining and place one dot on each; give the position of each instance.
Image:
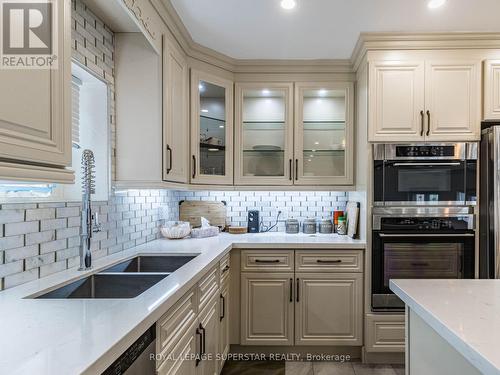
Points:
(466, 313)
(73, 336)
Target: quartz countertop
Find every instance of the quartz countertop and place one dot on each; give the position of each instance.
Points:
(75, 336)
(466, 313)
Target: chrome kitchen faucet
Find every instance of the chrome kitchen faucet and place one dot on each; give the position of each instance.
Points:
(90, 221)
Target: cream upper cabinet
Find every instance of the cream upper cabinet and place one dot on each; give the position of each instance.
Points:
(396, 101)
(323, 133)
(267, 309)
(35, 113)
(264, 134)
(329, 309)
(426, 100)
(211, 129)
(175, 114)
(453, 100)
(491, 90)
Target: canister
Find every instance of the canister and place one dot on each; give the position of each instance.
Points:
(325, 226)
(309, 226)
(292, 226)
(341, 226)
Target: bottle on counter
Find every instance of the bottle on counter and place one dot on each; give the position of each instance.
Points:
(341, 226)
(336, 215)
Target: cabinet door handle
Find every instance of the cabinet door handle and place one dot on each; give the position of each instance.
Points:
(267, 260)
(296, 169)
(428, 123)
(422, 123)
(291, 170)
(225, 269)
(336, 261)
(169, 151)
(223, 314)
(198, 357)
(297, 291)
(194, 166)
(204, 347)
(291, 289)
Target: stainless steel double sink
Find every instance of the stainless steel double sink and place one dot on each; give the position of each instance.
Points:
(127, 279)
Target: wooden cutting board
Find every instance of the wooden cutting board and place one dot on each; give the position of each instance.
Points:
(213, 211)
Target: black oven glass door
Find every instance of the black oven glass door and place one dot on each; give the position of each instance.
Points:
(417, 182)
(418, 256)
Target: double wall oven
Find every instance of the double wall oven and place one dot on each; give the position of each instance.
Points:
(423, 215)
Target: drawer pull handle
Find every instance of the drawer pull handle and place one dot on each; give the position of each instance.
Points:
(225, 269)
(336, 261)
(267, 261)
(420, 264)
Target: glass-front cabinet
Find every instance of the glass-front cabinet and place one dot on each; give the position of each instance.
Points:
(323, 134)
(264, 134)
(211, 129)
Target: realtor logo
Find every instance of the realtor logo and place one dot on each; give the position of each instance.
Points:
(28, 34)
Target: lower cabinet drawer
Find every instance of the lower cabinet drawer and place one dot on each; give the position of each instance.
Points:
(207, 287)
(329, 260)
(267, 260)
(385, 333)
(176, 322)
(180, 359)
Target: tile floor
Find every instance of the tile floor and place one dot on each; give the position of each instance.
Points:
(308, 368)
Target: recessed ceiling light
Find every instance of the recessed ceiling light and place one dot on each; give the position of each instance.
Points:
(266, 92)
(221, 126)
(201, 87)
(433, 4)
(288, 4)
(204, 110)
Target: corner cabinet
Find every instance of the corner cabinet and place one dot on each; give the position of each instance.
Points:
(211, 129)
(294, 134)
(35, 115)
(175, 114)
(424, 100)
(491, 90)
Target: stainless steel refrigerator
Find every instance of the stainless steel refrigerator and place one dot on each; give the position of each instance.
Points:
(489, 209)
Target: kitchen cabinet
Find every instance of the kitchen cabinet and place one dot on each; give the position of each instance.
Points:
(491, 109)
(323, 133)
(322, 306)
(211, 129)
(424, 100)
(385, 333)
(273, 149)
(175, 114)
(35, 114)
(225, 302)
(209, 327)
(328, 309)
(178, 362)
(264, 134)
(267, 308)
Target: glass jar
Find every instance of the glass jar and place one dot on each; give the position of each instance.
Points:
(325, 226)
(292, 226)
(309, 226)
(342, 226)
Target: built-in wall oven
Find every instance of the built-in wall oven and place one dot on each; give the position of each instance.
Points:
(416, 243)
(425, 174)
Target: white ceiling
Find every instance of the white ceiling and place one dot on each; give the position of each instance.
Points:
(321, 29)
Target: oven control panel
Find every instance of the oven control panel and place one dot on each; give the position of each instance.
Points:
(425, 151)
(424, 223)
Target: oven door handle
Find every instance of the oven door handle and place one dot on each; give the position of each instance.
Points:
(428, 235)
(452, 164)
